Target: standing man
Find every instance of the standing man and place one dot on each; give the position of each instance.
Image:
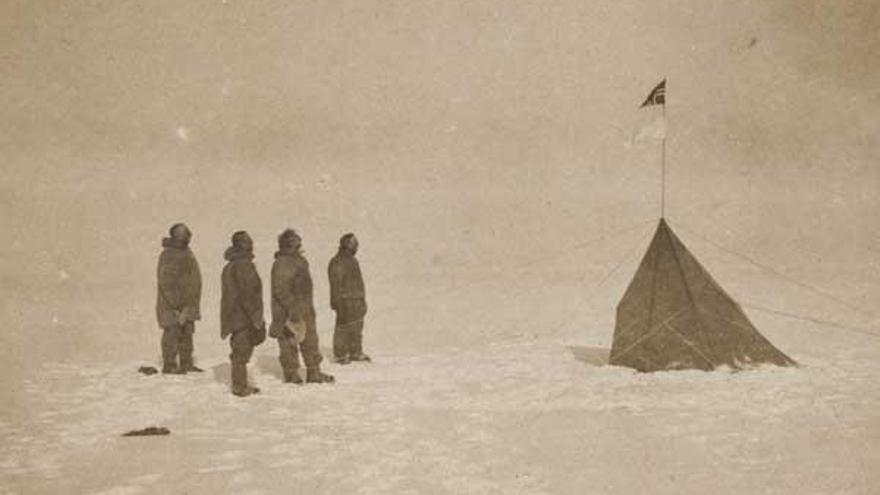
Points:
(241, 308)
(177, 302)
(348, 299)
(293, 312)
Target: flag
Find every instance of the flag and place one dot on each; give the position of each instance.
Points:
(657, 96)
(656, 130)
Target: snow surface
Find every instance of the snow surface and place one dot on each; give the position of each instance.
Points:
(488, 384)
(532, 411)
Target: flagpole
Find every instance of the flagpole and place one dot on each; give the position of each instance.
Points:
(663, 164)
(658, 97)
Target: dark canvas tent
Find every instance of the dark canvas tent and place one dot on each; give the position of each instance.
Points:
(675, 316)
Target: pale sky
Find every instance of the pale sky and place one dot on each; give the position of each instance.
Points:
(453, 136)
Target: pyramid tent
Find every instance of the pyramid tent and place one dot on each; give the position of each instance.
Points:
(675, 316)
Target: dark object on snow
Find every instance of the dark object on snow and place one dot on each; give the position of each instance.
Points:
(675, 316)
(147, 370)
(149, 431)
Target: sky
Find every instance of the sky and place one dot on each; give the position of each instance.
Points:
(458, 139)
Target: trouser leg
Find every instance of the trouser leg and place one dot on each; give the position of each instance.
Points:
(340, 341)
(239, 378)
(170, 342)
(309, 346)
(240, 355)
(185, 345)
(355, 338)
(288, 355)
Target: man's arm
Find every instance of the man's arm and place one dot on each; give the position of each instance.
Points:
(334, 273)
(251, 293)
(282, 289)
(169, 285)
(192, 292)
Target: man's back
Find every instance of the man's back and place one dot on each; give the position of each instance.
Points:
(346, 280)
(241, 303)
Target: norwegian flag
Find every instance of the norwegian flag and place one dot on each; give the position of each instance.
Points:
(657, 96)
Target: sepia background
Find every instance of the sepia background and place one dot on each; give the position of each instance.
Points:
(492, 159)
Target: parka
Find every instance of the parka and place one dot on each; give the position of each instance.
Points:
(291, 290)
(179, 287)
(241, 300)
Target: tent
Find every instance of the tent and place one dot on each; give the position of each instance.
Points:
(675, 316)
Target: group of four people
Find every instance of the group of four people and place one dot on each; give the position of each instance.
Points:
(241, 306)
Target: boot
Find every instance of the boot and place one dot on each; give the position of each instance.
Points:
(343, 360)
(293, 377)
(172, 370)
(314, 375)
(360, 357)
(189, 366)
(239, 381)
(246, 391)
